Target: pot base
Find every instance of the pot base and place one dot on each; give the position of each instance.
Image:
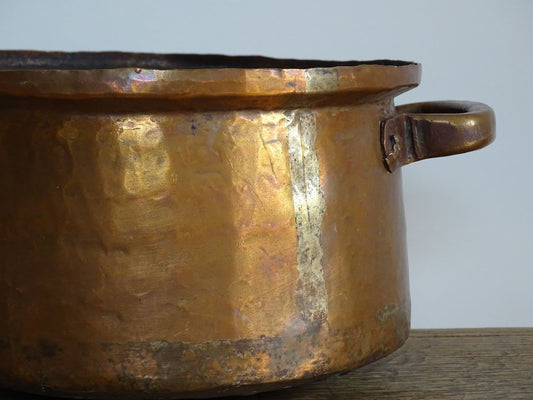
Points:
(230, 368)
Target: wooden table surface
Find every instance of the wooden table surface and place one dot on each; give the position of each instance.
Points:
(453, 364)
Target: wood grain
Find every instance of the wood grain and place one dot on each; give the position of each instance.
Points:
(463, 364)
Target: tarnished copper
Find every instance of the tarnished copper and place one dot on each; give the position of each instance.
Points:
(195, 226)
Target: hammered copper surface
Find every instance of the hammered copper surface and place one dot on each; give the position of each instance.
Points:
(197, 232)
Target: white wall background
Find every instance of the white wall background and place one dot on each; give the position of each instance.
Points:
(470, 217)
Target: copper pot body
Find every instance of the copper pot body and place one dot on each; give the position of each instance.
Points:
(197, 230)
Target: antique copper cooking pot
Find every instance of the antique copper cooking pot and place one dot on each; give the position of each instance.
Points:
(196, 226)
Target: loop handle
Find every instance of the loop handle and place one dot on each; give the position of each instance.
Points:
(435, 129)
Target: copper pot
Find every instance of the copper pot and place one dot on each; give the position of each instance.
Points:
(196, 226)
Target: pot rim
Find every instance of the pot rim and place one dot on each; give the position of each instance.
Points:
(89, 75)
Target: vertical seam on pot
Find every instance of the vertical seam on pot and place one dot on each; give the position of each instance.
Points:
(309, 207)
(321, 80)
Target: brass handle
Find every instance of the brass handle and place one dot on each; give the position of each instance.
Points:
(435, 129)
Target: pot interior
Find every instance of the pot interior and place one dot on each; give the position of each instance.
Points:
(24, 60)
